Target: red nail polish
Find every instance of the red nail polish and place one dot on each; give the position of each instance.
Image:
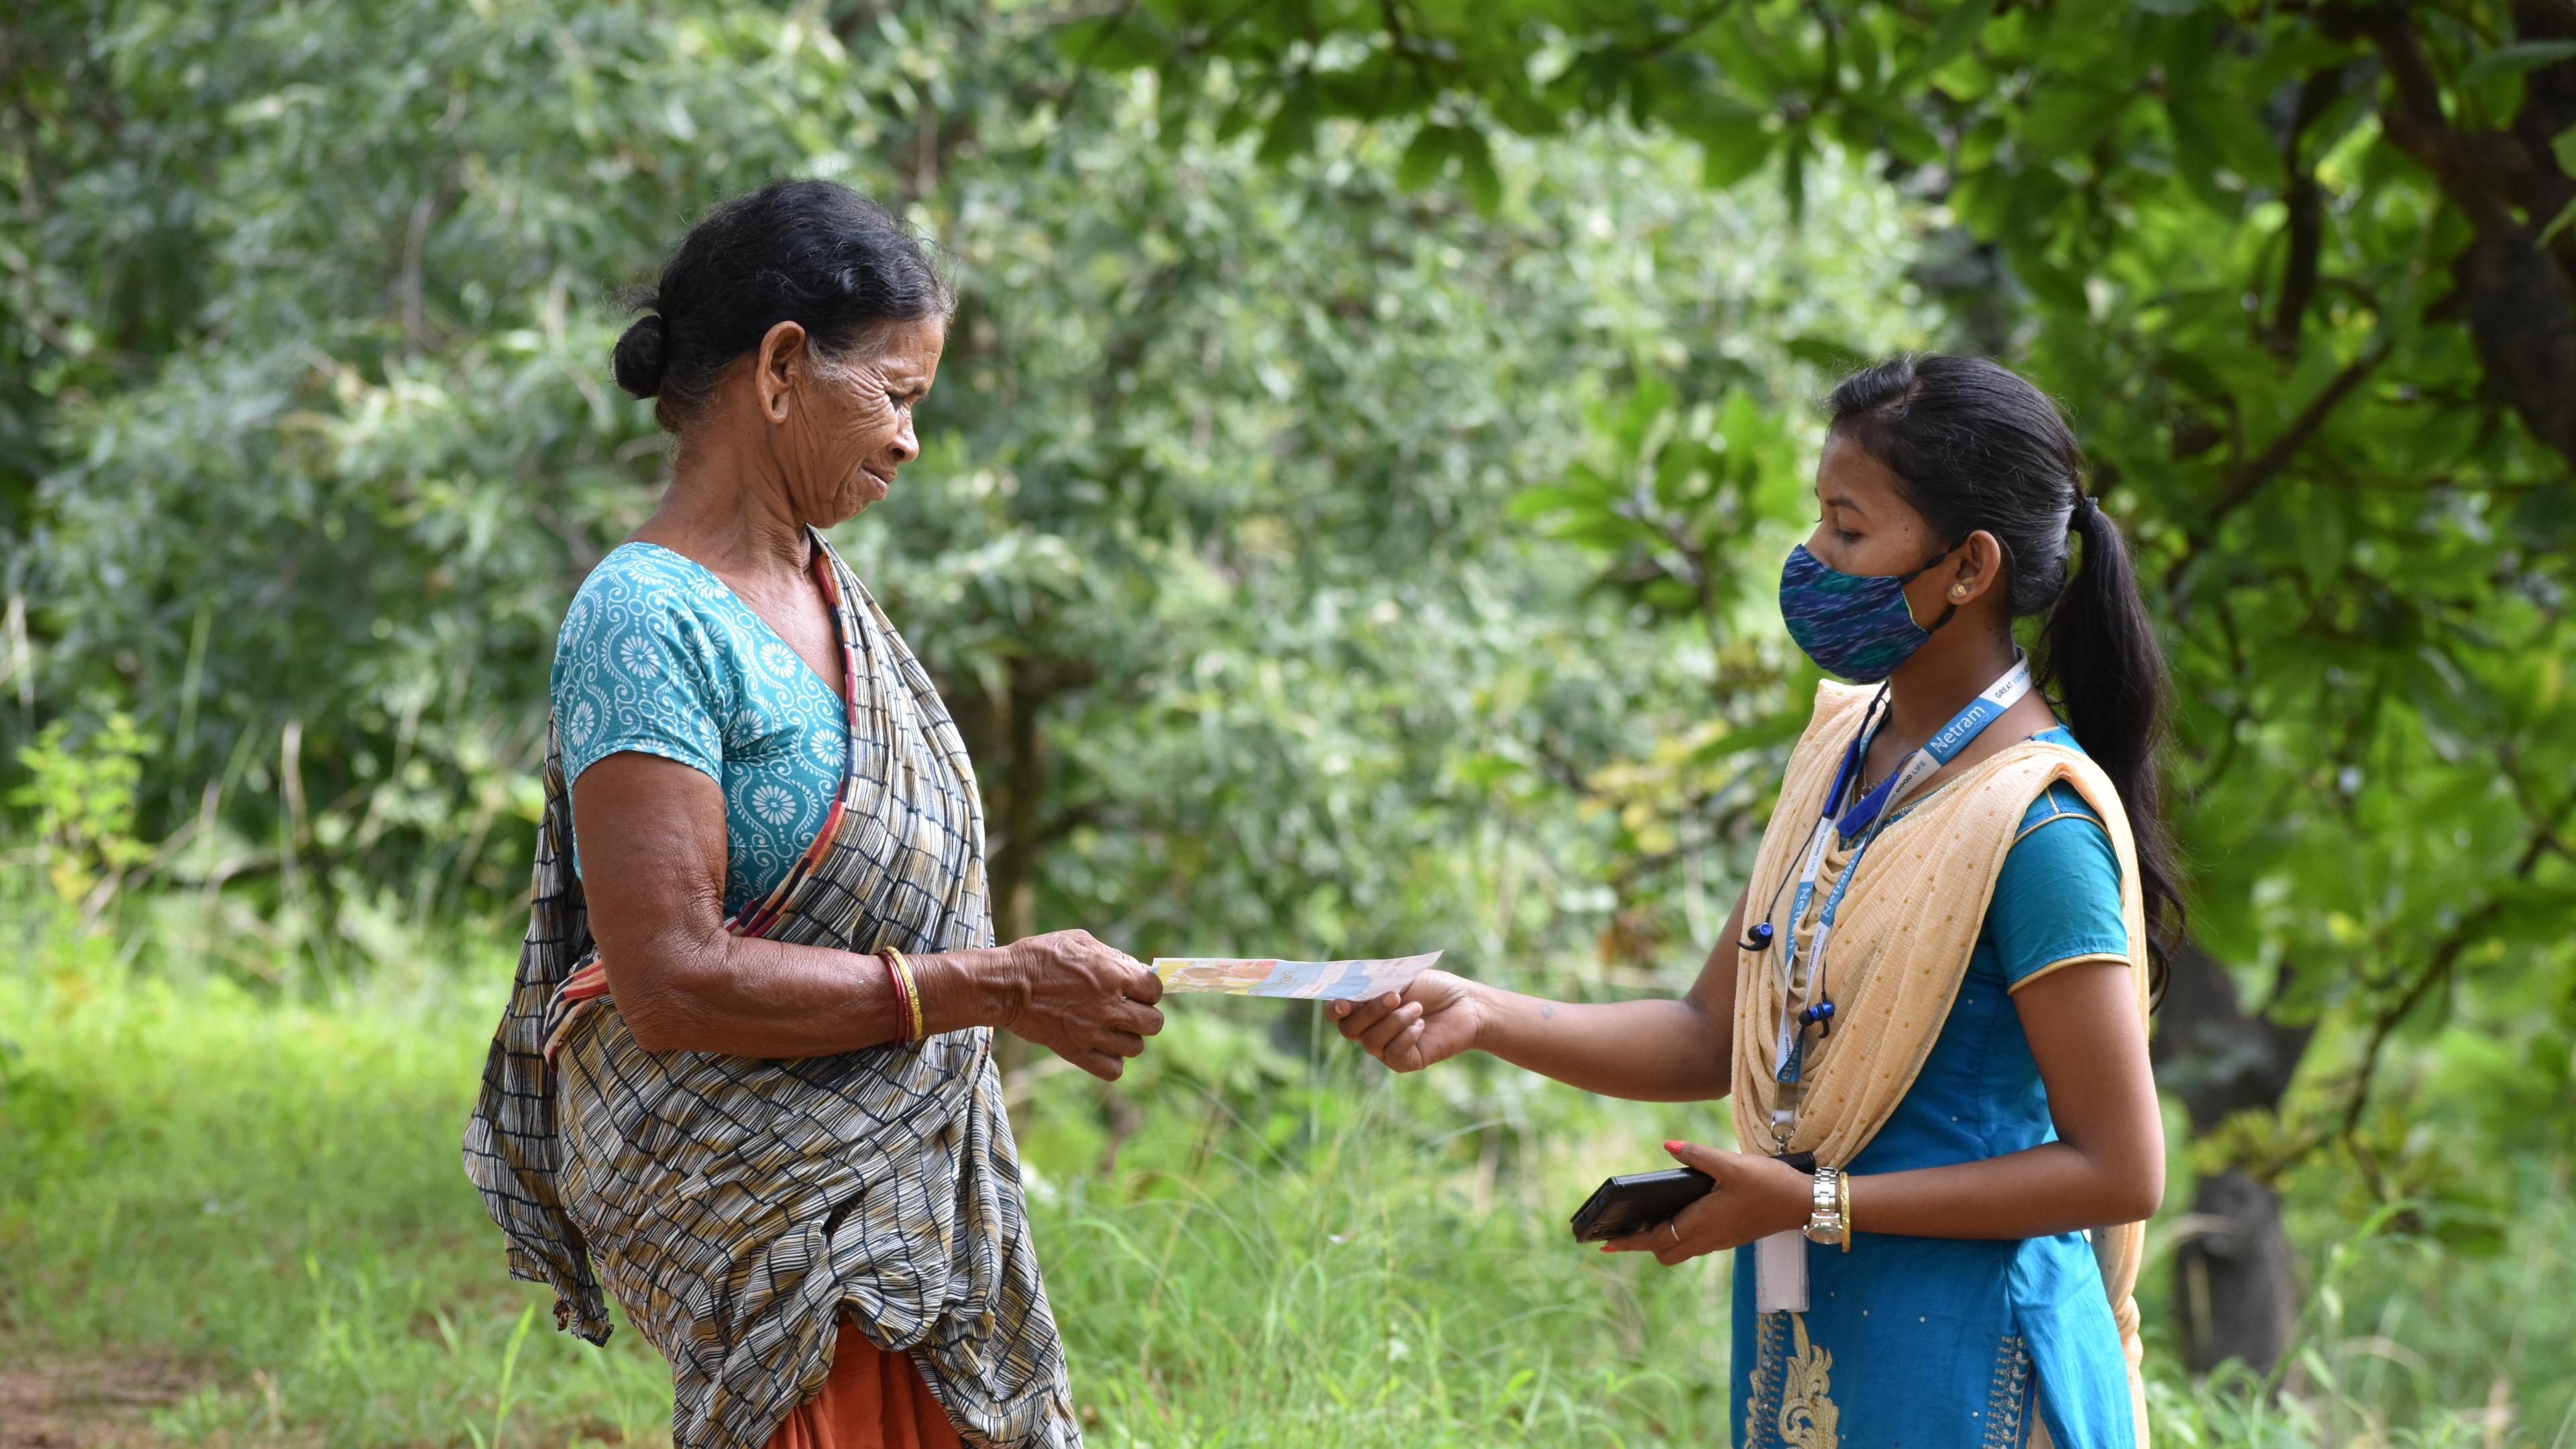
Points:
(1672, 1147)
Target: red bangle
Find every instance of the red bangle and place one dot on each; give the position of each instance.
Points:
(907, 994)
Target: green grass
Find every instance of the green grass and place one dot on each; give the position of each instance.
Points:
(271, 1192)
(1245, 1245)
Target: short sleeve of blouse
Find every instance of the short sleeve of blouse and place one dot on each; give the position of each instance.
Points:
(637, 667)
(2057, 899)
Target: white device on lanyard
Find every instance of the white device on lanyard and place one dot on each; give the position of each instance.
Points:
(1780, 1260)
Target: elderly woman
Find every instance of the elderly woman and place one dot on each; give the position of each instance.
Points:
(745, 1078)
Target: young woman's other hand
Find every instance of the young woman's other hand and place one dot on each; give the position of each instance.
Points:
(1754, 1198)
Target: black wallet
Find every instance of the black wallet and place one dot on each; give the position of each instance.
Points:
(1638, 1201)
(1632, 1204)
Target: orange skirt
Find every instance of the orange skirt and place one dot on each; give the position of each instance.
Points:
(873, 1400)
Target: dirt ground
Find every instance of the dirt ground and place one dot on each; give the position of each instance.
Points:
(85, 1404)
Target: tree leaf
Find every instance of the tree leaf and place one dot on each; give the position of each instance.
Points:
(1908, 137)
(2068, 113)
(1426, 156)
(1116, 41)
(1728, 154)
(2513, 60)
(1476, 171)
(1291, 131)
(1951, 38)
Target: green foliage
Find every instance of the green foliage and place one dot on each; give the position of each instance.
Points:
(81, 797)
(1209, 549)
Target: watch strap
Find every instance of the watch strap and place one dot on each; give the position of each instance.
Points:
(1825, 1221)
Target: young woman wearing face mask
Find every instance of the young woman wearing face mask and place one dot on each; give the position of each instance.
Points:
(1935, 986)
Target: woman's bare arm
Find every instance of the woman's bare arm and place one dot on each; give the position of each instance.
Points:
(1656, 1050)
(2107, 1166)
(652, 838)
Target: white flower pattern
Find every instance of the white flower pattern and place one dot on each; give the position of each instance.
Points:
(830, 746)
(637, 656)
(774, 802)
(658, 656)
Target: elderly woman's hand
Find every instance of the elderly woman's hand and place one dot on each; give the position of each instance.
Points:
(1089, 1003)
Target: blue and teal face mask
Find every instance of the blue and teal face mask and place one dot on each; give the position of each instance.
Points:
(1854, 625)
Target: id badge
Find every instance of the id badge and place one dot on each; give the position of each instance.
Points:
(1780, 1260)
(1780, 1273)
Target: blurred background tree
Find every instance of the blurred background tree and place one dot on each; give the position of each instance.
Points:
(1210, 548)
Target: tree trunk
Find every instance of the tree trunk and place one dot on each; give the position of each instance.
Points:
(2235, 1289)
(1017, 806)
(1005, 737)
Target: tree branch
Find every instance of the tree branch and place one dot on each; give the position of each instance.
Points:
(2437, 969)
(2254, 474)
(1398, 37)
(2305, 203)
(2520, 303)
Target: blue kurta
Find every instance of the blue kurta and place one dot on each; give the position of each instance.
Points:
(1930, 1343)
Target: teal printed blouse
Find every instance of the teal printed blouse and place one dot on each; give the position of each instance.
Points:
(658, 655)
(1928, 1343)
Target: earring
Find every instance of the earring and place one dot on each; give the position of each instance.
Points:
(1958, 592)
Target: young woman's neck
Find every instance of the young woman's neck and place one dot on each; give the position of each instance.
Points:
(1937, 681)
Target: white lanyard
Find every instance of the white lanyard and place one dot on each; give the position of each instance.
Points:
(1863, 819)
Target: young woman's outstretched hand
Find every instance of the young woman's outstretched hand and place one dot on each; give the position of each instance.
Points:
(1652, 1049)
(1434, 1019)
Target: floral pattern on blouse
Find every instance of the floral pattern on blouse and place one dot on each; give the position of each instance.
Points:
(657, 655)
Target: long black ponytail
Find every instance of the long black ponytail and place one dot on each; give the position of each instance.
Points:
(1974, 445)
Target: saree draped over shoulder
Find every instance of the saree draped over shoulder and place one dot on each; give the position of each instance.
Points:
(741, 1208)
(1999, 1318)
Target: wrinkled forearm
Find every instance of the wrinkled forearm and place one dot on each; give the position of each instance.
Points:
(747, 997)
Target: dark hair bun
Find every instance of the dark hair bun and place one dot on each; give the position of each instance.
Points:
(642, 354)
(811, 252)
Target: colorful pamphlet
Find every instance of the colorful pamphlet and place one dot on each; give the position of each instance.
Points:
(1306, 980)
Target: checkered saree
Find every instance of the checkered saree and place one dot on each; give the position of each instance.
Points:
(741, 1208)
